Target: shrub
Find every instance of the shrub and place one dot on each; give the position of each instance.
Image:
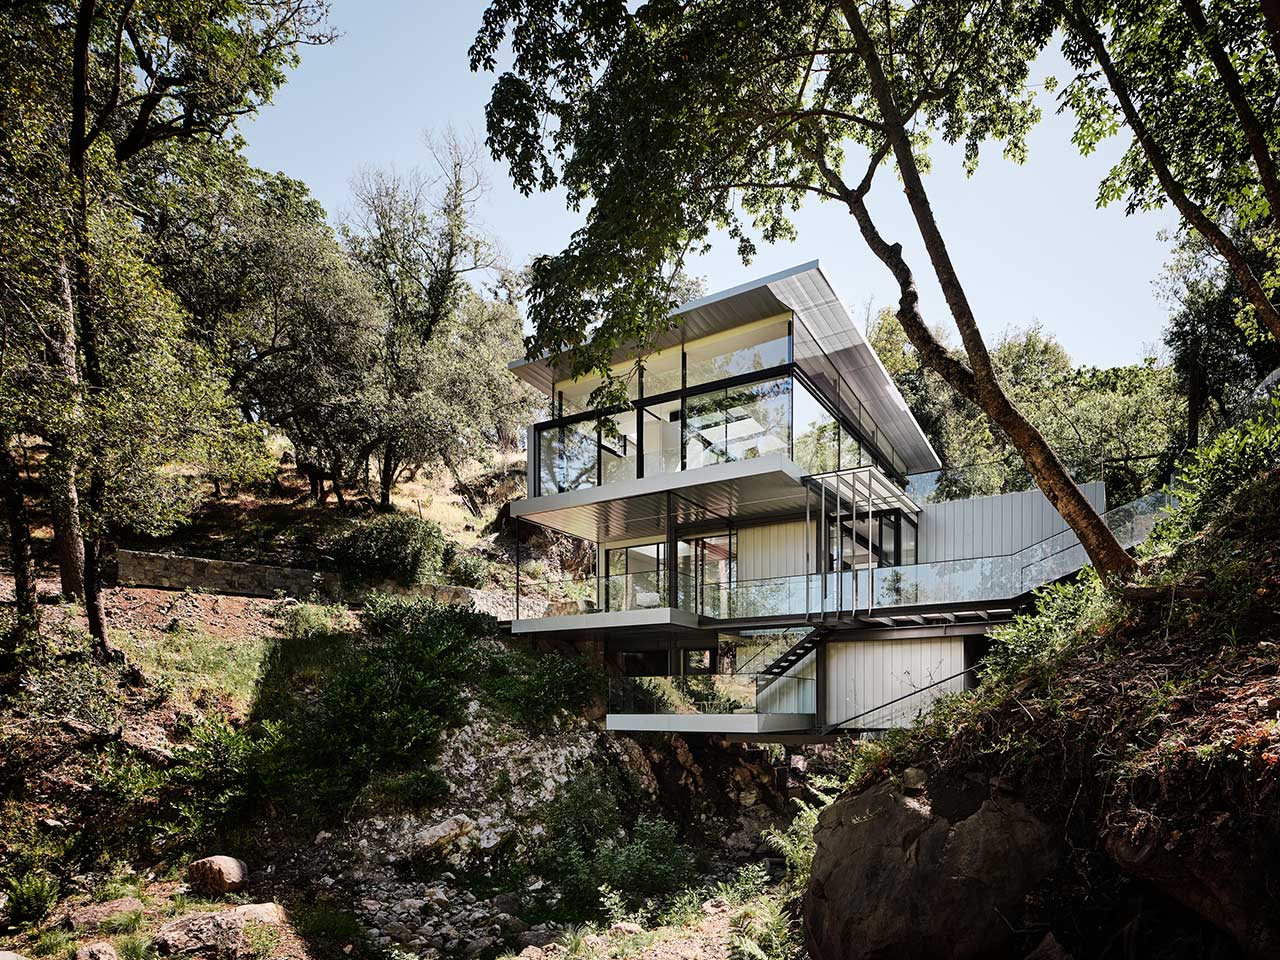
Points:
(135, 947)
(598, 866)
(392, 546)
(531, 688)
(31, 897)
(55, 943)
(469, 570)
(1216, 471)
(390, 696)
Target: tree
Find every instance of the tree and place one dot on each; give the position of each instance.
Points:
(439, 390)
(1201, 95)
(144, 73)
(1217, 355)
(671, 120)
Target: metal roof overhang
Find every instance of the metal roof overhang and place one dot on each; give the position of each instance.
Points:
(805, 291)
(743, 490)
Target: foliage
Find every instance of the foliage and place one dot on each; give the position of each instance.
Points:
(1208, 480)
(533, 688)
(398, 547)
(1121, 424)
(795, 841)
(763, 930)
(135, 947)
(468, 569)
(590, 853)
(57, 943)
(31, 896)
(328, 930)
(393, 693)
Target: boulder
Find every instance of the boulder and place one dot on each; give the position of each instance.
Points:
(92, 916)
(506, 903)
(97, 951)
(218, 875)
(511, 925)
(445, 833)
(537, 937)
(221, 933)
(626, 929)
(10, 955)
(1048, 949)
(931, 876)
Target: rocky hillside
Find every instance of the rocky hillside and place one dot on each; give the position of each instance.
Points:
(1110, 789)
(397, 780)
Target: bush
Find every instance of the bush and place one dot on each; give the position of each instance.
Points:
(135, 947)
(393, 693)
(597, 865)
(1214, 472)
(31, 897)
(531, 688)
(391, 546)
(468, 570)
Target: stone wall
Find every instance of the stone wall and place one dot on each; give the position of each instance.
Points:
(175, 572)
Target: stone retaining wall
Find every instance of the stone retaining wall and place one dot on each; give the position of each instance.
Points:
(175, 572)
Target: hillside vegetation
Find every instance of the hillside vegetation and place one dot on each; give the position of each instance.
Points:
(1138, 725)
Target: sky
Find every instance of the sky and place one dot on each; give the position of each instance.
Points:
(1028, 241)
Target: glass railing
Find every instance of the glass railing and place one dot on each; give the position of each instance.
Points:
(645, 590)
(719, 693)
(923, 584)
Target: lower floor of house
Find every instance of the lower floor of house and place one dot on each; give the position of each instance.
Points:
(811, 681)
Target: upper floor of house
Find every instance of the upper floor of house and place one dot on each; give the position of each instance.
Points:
(775, 367)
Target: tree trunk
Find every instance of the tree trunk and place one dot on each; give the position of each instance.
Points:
(1254, 135)
(467, 496)
(387, 470)
(1271, 14)
(24, 581)
(978, 381)
(1191, 212)
(59, 467)
(86, 319)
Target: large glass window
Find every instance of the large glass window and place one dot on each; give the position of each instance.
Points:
(579, 456)
(660, 424)
(663, 372)
(755, 346)
(575, 395)
(738, 423)
(618, 447)
(816, 438)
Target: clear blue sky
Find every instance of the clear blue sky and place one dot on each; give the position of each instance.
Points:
(1027, 240)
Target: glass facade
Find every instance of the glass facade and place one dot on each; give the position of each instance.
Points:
(800, 407)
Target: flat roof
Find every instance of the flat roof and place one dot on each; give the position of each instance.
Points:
(805, 291)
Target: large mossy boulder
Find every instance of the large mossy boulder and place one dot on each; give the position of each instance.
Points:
(939, 872)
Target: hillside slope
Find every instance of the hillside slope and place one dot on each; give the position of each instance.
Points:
(1110, 788)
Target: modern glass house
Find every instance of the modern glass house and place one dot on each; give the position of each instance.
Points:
(766, 560)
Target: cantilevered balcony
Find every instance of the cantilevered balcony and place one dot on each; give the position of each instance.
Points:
(743, 703)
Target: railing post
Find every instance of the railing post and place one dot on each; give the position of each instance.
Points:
(871, 590)
(517, 568)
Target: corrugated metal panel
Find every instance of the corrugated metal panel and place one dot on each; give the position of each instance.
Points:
(863, 675)
(793, 693)
(992, 526)
(773, 550)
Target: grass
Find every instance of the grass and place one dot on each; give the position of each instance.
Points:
(196, 664)
(330, 931)
(127, 922)
(55, 943)
(135, 946)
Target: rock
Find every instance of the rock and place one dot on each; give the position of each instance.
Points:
(715, 905)
(626, 929)
(511, 926)
(97, 951)
(942, 877)
(10, 955)
(1049, 949)
(479, 946)
(221, 933)
(506, 903)
(436, 896)
(445, 833)
(218, 874)
(91, 917)
(528, 953)
(914, 780)
(536, 937)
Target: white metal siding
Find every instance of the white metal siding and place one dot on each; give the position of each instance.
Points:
(865, 674)
(991, 526)
(774, 550)
(793, 693)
